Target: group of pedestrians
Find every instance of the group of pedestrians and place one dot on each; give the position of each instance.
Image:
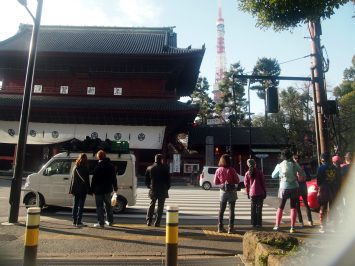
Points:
(292, 177)
(103, 183)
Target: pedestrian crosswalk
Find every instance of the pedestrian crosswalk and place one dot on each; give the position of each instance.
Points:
(194, 204)
(198, 204)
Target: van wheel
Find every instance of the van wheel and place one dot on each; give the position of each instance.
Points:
(206, 185)
(30, 200)
(121, 205)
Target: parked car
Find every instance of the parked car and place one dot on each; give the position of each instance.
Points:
(207, 175)
(312, 189)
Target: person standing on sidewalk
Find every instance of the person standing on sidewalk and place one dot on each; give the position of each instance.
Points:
(328, 182)
(254, 182)
(157, 179)
(79, 188)
(104, 182)
(227, 179)
(302, 190)
(287, 171)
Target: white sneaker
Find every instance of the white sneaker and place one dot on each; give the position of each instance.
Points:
(108, 223)
(99, 225)
(321, 230)
(310, 223)
(276, 228)
(292, 230)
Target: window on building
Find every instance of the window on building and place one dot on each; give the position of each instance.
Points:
(90, 91)
(64, 89)
(37, 88)
(117, 91)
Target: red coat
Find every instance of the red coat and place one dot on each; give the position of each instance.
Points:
(255, 186)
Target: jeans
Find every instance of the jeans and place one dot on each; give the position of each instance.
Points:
(103, 201)
(222, 208)
(78, 207)
(150, 212)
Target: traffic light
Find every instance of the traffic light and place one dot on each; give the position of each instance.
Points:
(272, 100)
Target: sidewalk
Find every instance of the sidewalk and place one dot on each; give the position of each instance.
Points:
(59, 240)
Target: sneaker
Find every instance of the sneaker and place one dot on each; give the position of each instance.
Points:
(149, 223)
(108, 223)
(310, 223)
(301, 224)
(276, 228)
(99, 225)
(292, 230)
(157, 224)
(73, 224)
(221, 229)
(321, 230)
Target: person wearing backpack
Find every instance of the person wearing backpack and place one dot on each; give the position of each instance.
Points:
(287, 171)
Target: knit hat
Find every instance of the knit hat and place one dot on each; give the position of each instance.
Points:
(336, 159)
(250, 163)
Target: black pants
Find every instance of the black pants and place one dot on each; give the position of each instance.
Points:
(222, 208)
(257, 210)
(299, 213)
(151, 209)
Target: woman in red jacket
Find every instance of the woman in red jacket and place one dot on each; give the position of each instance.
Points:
(227, 179)
(254, 182)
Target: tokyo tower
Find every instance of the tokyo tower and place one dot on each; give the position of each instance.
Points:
(221, 55)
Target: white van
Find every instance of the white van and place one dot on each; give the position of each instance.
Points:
(53, 180)
(207, 176)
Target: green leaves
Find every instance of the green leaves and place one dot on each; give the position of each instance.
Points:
(288, 14)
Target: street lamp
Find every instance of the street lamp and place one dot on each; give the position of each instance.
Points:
(16, 183)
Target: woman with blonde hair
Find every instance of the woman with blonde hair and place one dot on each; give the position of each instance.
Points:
(227, 179)
(79, 188)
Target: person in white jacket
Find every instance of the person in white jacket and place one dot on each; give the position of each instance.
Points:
(287, 171)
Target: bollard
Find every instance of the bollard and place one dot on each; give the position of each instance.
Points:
(172, 231)
(31, 236)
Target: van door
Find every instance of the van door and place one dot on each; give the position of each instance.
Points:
(56, 181)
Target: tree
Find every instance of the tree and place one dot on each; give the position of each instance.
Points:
(289, 123)
(288, 14)
(265, 67)
(233, 93)
(200, 97)
(345, 93)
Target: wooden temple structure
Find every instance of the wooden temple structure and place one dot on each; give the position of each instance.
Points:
(114, 83)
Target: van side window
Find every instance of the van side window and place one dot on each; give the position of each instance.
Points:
(120, 167)
(211, 170)
(58, 167)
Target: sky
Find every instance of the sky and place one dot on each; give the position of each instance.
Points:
(195, 25)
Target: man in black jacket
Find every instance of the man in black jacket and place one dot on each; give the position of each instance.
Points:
(104, 181)
(157, 179)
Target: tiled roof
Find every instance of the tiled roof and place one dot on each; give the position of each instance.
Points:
(99, 40)
(240, 136)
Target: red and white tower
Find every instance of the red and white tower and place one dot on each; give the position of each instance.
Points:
(221, 55)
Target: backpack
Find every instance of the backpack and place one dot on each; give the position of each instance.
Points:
(287, 171)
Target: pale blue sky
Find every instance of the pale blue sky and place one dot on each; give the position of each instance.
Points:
(195, 22)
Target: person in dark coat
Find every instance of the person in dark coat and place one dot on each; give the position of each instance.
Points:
(104, 182)
(157, 179)
(79, 188)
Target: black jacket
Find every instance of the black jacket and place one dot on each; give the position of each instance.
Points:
(104, 179)
(157, 178)
(79, 183)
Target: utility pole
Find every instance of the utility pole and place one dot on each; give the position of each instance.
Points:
(319, 88)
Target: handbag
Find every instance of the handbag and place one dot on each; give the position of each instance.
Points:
(114, 199)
